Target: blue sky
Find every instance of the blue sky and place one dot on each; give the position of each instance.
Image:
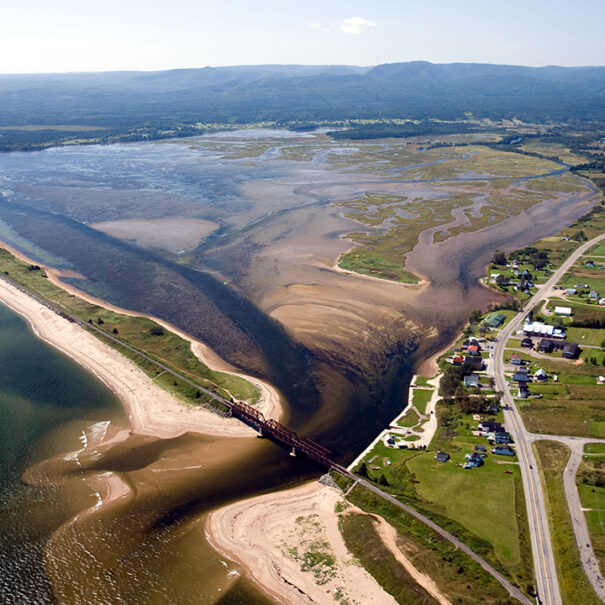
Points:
(85, 35)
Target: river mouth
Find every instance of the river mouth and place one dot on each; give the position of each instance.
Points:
(262, 292)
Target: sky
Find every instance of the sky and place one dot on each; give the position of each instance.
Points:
(100, 35)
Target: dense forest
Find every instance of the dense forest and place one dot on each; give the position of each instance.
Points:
(135, 105)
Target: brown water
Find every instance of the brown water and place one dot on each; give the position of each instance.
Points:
(260, 292)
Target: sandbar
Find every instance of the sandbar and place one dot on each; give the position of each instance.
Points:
(174, 235)
(269, 535)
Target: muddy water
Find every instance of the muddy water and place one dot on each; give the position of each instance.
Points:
(260, 292)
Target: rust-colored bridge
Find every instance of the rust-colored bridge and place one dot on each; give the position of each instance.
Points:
(254, 418)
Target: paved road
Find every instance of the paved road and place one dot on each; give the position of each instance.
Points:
(544, 562)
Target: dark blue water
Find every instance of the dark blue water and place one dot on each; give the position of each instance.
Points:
(40, 391)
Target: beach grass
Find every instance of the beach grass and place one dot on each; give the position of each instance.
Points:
(362, 540)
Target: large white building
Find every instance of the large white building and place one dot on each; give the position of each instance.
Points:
(537, 328)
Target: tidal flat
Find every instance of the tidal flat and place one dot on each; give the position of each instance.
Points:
(261, 289)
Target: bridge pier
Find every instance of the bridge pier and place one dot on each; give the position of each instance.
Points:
(259, 432)
(293, 452)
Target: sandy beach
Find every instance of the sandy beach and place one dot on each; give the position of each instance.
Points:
(150, 409)
(269, 534)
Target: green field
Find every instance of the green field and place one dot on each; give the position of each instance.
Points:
(458, 576)
(598, 250)
(483, 506)
(574, 584)
(482, 500)
(422, 381)
(164, 346)
(593, 499)
(409, 420)
(591, 487)
(421, 398)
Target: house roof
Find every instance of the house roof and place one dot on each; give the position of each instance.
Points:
(474, 361)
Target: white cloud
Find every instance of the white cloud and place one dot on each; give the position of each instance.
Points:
(352, 25)
(356, 25)
(322, 28)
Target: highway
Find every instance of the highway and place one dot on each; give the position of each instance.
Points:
(544, 562)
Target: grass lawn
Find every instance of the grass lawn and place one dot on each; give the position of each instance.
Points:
(484, 506)
(409, 420)
(585, 336)
(597, 355)
(595, 448)
(598, 250)
(574, 584)
(421, 398)
(483, 499)
(422, 381)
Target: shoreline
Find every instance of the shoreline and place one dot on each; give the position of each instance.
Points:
(270, 403)
(150, 409)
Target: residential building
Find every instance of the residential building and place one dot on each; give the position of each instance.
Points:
(442, 456)
(471, 381)
(475, 363)
(540, 375)
(571, 350)
(503, 450)
(546, 346)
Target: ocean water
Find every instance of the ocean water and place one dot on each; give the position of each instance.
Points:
(41, 392)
